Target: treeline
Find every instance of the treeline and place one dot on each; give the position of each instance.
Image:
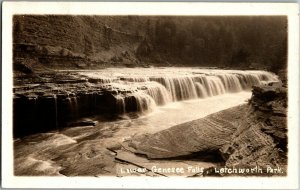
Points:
(235, 42)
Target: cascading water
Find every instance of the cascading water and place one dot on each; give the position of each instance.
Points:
(232, 83)
(151, 87)
(180, 88)
(158, 92)
(201, 90)
(121, 91)
(120, 104)
(145, 103)
(73, 105)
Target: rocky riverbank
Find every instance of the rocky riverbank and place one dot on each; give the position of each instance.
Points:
(261, 139)
(247, 136)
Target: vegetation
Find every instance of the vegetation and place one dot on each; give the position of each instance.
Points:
(224, 41)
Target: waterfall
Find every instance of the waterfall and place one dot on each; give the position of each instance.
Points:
(120, 91)
(144, 102)
(120, 104)
(158, 92)
(123, 91)
(73, 105)
(149, 88)
(139, 102)
(231, 83)
(180, 88)
(201, 91)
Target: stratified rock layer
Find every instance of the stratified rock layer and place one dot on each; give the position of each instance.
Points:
(203, 135)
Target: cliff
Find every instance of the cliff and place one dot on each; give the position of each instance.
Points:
(61, 41)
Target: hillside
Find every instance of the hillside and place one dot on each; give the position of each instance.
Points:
(61, 41)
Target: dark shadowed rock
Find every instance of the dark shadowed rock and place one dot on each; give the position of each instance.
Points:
(85, 122)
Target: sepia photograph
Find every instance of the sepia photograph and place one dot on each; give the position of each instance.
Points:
(150, 95)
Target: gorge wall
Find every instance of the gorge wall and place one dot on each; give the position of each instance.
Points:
(111, 41)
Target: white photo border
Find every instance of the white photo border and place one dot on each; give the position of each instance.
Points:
(290, 10)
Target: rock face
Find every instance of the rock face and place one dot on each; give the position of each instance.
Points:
(262, 137)
(276, 109)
